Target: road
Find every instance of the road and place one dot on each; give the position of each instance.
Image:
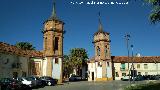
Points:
(85, 85)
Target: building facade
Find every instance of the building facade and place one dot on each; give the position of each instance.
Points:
(146, 65)
(15, 62)
(53, 46)
(104, 67)
(100, 66)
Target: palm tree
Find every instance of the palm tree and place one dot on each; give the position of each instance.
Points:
(25, 45)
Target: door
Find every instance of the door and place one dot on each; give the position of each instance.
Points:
(92, 75)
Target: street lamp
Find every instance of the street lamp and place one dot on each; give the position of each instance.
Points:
(132, 65)
(127, 36)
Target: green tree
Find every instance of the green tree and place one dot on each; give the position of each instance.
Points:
(67, 66)
(155, 14)
(78, 57)
(25, 45)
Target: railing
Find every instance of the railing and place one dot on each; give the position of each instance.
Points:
(122, 69)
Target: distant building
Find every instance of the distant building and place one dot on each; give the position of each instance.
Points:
(15, 62)
(147, 65)
(103, 67)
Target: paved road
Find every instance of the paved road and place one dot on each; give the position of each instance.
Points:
(85, 85)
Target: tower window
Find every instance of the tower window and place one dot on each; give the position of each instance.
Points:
(45, 41)
(98, 51)
(56, 43)
(108, 64)
(56, 60)
(106, 51)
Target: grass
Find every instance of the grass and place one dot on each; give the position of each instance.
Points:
(148, 86)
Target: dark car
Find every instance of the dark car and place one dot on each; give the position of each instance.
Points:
(10, 84)
(36, 82)
(75, 78)
(48, 80)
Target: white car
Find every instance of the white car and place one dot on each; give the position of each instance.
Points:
(125, 78)
(25, 81)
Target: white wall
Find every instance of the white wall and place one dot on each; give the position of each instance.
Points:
(40, 61)
(91, 68)
(44, 67)
(6, 65)
(153, 69)
(56, 71)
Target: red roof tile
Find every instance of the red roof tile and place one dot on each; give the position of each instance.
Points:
(144, 59)
(6, 48)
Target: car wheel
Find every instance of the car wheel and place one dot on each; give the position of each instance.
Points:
(49, 83)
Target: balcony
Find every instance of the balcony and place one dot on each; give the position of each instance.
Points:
(122, 69)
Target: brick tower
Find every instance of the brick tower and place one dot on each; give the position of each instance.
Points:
(53, 45)
(102, 53)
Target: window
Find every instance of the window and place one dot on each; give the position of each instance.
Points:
(56, 60)
(145, 66)
(56, 43)
(117, 75)
(15, 74)
(98, 51)
(106, 51)
(99, 64)
(139, 73)
(107, 64)
(146, 73)
(138, 65)
(123, 74)
(45, 41)
(122, 66)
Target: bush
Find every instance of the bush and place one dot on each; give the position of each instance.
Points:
(149, 86)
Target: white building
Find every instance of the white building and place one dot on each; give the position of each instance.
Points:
(100, 66)
(147, 65)
(103, 66)
(15, 62)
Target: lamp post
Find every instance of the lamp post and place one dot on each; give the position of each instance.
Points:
(133, 65)
(127, 36)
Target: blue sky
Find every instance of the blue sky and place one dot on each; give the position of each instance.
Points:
(22, 20)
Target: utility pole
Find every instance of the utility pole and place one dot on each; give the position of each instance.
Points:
(127, 37)
(133, 65)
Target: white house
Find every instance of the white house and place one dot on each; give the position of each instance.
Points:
(15, 62)
(146, 65)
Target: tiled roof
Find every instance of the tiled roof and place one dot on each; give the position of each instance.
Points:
(91, 60)
(144, 59)
(6, 48)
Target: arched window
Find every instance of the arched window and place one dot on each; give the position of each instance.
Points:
(106, 51)
(98, 51)
(45, 41)
(56, 43)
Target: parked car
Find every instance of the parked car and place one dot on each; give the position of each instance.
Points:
(125, 78)
(36, 82)
(75, 78)
(139, 78)
(24, 81)
(10, 84)
(48, 80)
